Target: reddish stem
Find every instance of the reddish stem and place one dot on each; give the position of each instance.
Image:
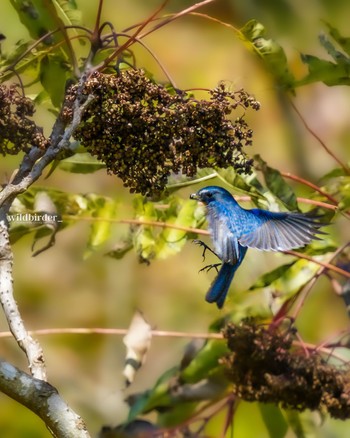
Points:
(309, 184)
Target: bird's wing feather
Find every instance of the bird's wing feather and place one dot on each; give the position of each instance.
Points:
(224, 237)
(270, 231)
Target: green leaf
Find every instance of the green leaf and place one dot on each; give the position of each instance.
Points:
(24, 62)
(68, 9)
(81, 163)
(19, 231)
(206, 361)
(53, 74)
(158, 396)
(100, 229)
(343, 42)
(268, 278)
(334, 173)
(272, 54)
(274, 420)
(172, 240)
(119, 250)
(250, 185)
(293, 277)
(303, 424)
(277, 184)
(244, 184)
(324, 71)
(39, 17)
(338, 57)
(177, 414)
(145, 237)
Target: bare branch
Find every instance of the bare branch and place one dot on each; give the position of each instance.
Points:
(31, 347)
(42, 399)
(30, 170)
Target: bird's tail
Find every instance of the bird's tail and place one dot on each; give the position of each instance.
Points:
(219, 288)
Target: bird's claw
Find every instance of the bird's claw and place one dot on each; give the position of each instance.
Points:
(205, 248)
(209, 267)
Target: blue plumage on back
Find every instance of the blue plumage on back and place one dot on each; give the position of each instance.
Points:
(234, 229)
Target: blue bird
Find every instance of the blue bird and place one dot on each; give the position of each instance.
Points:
(234, 229)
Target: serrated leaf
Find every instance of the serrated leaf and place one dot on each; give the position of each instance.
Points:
(81, 163)
(272, 54)
(274, 420)
(277, 184)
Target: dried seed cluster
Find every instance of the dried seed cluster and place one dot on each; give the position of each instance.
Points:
(143, 131)
(18, 132)
(262, 367)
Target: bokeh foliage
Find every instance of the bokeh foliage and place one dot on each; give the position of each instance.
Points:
(158, 229)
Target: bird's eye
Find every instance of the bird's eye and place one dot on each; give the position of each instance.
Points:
(209, 195)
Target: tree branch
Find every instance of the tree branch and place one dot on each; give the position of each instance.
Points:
(30, 347)
(30, 170)
(42, 399)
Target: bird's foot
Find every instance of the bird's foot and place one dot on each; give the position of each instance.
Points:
(209, 267)
(205, 248)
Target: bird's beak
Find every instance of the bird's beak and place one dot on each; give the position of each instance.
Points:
(195, 197)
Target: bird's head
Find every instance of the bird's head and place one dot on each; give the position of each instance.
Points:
(210, 194)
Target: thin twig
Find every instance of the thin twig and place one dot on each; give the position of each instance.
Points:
(307, 289)
(115, 331)
(324, 264)
(131, 40)
(321, 142)
(309, 184)
(174, 17)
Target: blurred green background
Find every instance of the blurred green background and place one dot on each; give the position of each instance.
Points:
(61, 289)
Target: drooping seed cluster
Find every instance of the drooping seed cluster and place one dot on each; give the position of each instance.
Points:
(264, 367)
(18, 132)
(143, 131)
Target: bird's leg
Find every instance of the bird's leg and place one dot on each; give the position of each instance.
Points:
(206, 247)
(209, 267)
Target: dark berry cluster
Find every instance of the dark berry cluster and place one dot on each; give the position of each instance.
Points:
(18, 132)
(143, 131)
(263, 367)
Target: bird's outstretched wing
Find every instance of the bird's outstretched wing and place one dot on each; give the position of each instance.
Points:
(271, 231)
